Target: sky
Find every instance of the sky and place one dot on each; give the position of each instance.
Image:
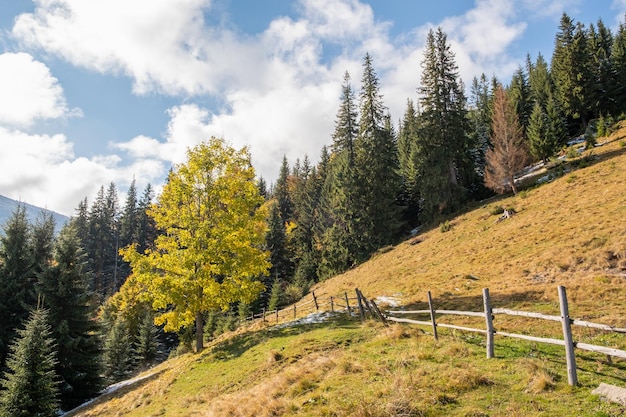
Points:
(101, 91)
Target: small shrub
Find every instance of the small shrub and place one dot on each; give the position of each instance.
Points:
(523, 194)
(496, 210)
(445, 226)
(571, 179)
(572, 153)
(622, 143)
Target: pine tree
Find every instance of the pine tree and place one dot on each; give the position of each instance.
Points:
(446, 167)
(30, 383)
(408, 154)
(276, 296)
(540, 82)
(508, 155)
(63, 286)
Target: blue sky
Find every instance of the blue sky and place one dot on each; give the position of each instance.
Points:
(100, 91)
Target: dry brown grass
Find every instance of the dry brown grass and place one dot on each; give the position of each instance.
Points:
(568, 232)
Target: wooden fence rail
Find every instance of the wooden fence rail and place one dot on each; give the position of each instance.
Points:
(489, 315)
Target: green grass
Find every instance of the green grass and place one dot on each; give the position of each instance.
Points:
(568, 232)
(348, 368)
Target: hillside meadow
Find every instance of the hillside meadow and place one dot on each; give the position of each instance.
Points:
(568, 231)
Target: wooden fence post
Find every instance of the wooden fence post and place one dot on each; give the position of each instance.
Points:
(358, 297)
(432, 316)
(570, 357)
(294, 311)
(348, 304)
(488, 322)
(317, 307)
(277, 315)
(332, 305)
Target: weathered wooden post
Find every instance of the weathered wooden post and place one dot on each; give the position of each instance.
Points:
(432, 316)
(317, 307)
(358, 298)
(488, 322)
(332, 305)
(570, 357)
(348, 303)
(294, 311)
(277, 315)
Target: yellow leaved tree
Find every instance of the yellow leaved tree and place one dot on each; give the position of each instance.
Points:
(209, 254)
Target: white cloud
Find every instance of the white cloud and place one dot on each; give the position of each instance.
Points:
(44, 171)
(279, 91)
(29, 91)
(159, 43)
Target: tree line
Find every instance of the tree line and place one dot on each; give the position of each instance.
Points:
(219, 243)
(373, 184)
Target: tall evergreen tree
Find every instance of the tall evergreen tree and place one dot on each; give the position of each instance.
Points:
(147, 233)
(71, 309)
(30, 383)
(570, 70)
(378, 182)
(542, 144)
(481, 109)
(16, 286)
(346, 127)
(276, 240)
(445, 162)
(408, 154)
(618, 64)
(519, 94)
(282, 192)
(540, 82)
(118, 354)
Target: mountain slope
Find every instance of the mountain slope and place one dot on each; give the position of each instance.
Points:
(567, 232)
(7, 208)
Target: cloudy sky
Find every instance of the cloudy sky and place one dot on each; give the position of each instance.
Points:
(100, 91)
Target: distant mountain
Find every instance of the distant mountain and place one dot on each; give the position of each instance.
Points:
(7, 208)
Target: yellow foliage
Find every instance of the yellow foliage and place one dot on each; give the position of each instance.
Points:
(213, 222)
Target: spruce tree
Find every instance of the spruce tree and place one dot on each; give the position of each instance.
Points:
(378, 183)
(282, 192)
(542, 144)
(276, 241)
(71, 306)
(30, 383)
(16, 286)
(570, 70)
(446, 165)
(519, 94)
(618, 64)
(118, 354)
(480, 113)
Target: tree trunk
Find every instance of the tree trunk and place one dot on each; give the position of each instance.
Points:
(199, 332)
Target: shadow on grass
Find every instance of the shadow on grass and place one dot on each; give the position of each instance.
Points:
(115, 391)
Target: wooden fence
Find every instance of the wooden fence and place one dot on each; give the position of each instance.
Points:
(489, 314)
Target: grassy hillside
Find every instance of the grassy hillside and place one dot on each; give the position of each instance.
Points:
(569, 232)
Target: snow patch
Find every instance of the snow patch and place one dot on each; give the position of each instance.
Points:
(313, 318)
(390, 301)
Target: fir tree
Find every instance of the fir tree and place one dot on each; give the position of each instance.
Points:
(542, 144)
(446, 167)
(147, 345)
(282, 192)
(378, 183)
(519, 94)
(30, 383)
(118, 354)
(16, 286)
(276, 240)
(63, 286)
(618, 64)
